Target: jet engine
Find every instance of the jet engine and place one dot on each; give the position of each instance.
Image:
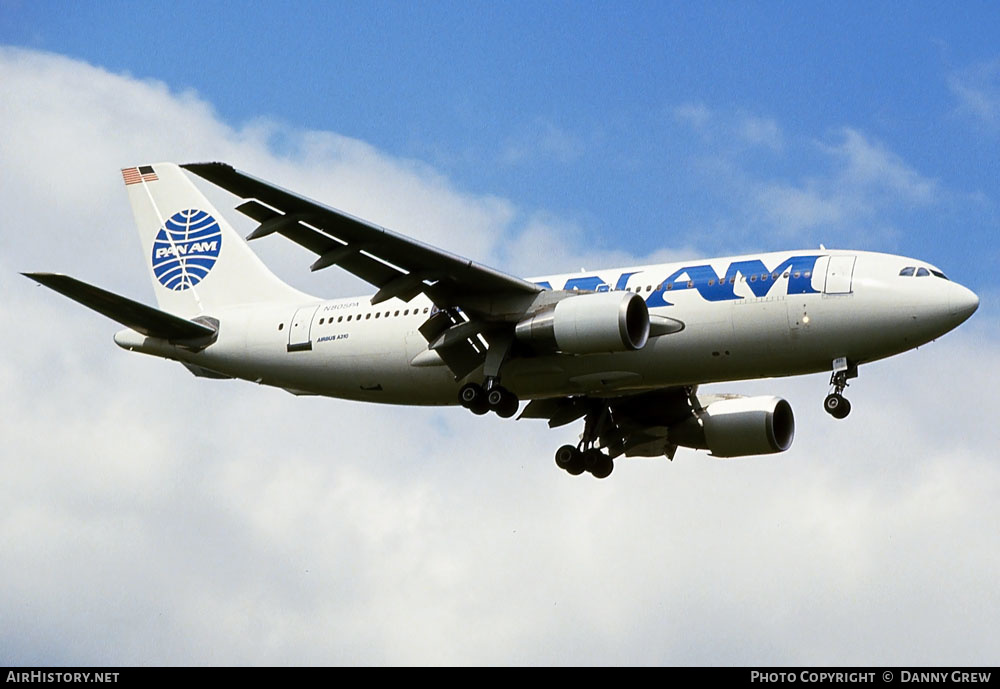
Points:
(589, 324)
(739, 426)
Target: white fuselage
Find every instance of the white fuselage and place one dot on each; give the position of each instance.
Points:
(744, 317)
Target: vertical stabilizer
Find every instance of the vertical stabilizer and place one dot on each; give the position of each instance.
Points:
(197, 261)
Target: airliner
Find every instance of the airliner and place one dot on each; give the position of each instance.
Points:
(625, 350)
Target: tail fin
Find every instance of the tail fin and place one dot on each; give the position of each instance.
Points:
(197, 261)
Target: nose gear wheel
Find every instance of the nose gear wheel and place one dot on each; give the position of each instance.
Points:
(835, 404)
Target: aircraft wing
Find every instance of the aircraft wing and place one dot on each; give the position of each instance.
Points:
(397, 265)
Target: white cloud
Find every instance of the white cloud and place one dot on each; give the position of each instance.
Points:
(731, 130)
(863, 181)
(977, 89)
(794, 207)
(866, 165)
(547, 245)
(696, 115)
(761, 131)
(150, 517)
(855, 182)
(542, 141)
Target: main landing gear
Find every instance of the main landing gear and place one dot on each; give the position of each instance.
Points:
(835, 404)
(576, 461)
(480, 399)
(491, 396)
(586, 456)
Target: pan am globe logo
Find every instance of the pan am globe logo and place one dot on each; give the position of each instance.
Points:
(185, 249)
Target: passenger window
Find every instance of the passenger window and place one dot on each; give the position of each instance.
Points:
(377, 314)
(753, 278)
(775, 276)
(732, 280)
(807, 274)
(396, 314)
(340, 318)
(922, 272)
(321, 321)
(670, 286)
(711, 282)
(690, 284)
(280, 326)
(367, 316)
(796, 274)
(907, 271)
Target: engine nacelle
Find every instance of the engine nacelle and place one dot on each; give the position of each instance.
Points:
(589, 324)
(738, 427)
(748, 426)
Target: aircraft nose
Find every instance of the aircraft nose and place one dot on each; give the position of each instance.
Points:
(963, 302)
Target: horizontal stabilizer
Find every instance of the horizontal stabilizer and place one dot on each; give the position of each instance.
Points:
(139, 317)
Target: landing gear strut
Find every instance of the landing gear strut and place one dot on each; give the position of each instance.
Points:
(585, 456)
(835, 404)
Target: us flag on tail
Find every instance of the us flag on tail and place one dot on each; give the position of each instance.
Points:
(134, 175)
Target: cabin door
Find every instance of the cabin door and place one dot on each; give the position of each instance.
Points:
(300, 328)
(839, 275)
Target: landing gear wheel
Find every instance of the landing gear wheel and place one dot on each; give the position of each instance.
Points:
(592, 459)
(508, 409)
(586, 455)
(469, 393)
(603, 468)
(502, 401)
(570, 459)
(837, 406)
(473, 397)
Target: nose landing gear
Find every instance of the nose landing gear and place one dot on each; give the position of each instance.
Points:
(835, 404)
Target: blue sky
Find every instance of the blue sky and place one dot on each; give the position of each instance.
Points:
(222, 523)
(579, 109)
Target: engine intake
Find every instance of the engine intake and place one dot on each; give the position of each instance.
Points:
(589, 324)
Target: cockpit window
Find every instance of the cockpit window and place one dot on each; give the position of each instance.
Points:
(907, 271)
(922, 272)
(939, 274)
